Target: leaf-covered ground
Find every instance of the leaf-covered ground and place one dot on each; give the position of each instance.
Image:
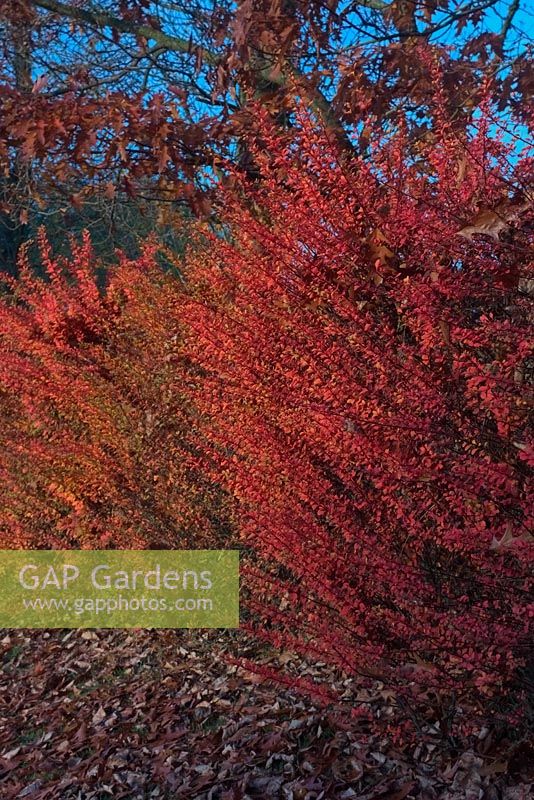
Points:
(89, 715)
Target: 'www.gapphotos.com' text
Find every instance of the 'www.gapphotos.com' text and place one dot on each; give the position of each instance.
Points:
(109, 605)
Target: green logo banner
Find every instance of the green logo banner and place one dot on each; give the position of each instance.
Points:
(119, 588)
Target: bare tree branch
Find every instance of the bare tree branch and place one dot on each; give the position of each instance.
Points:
(102, 19)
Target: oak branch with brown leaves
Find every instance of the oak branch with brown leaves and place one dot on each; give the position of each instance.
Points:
(107, 106)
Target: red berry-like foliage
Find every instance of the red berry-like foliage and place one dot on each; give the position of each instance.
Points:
(364, 336)
(95, 441)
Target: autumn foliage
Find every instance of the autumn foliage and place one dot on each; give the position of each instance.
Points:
(365, 341)
(96, 436)
(349, 361)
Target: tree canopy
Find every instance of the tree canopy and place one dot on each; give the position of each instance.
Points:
(135, 101)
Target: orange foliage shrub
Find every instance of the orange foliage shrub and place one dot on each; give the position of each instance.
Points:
(96, 441)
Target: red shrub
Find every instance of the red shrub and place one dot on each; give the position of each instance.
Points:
(95, 441)
(354, 373)
(365, 340)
